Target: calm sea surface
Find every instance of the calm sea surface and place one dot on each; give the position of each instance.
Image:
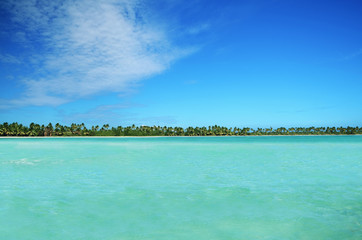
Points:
(181, 188)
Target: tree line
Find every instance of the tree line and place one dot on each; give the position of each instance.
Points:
(16, 129)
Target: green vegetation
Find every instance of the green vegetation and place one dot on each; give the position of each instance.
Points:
(16, 129)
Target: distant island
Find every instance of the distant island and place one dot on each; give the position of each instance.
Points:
(16, 129)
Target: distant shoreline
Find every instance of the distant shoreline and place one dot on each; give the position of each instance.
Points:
(316, 135)
(80, 130)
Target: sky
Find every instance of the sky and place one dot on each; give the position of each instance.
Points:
(181, 63)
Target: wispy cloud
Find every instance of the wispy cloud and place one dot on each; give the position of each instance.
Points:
(114, 114)
(156, 121)
(353, 55)
(88, 47)
(191, 82)
(8, 58)
(198, 29)
(99, 113)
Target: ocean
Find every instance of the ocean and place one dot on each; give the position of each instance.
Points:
(268, 187)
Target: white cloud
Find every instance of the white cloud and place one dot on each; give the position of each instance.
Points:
(88, 47)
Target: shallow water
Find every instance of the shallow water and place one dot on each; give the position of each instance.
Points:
(181, 188)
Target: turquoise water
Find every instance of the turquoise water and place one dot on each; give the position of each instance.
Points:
(181, 188)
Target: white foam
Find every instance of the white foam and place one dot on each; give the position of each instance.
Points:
(24, 161)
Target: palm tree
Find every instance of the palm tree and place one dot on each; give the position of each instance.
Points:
(57, 129)
(48, 130)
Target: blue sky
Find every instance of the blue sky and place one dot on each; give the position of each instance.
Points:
(181, 63)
